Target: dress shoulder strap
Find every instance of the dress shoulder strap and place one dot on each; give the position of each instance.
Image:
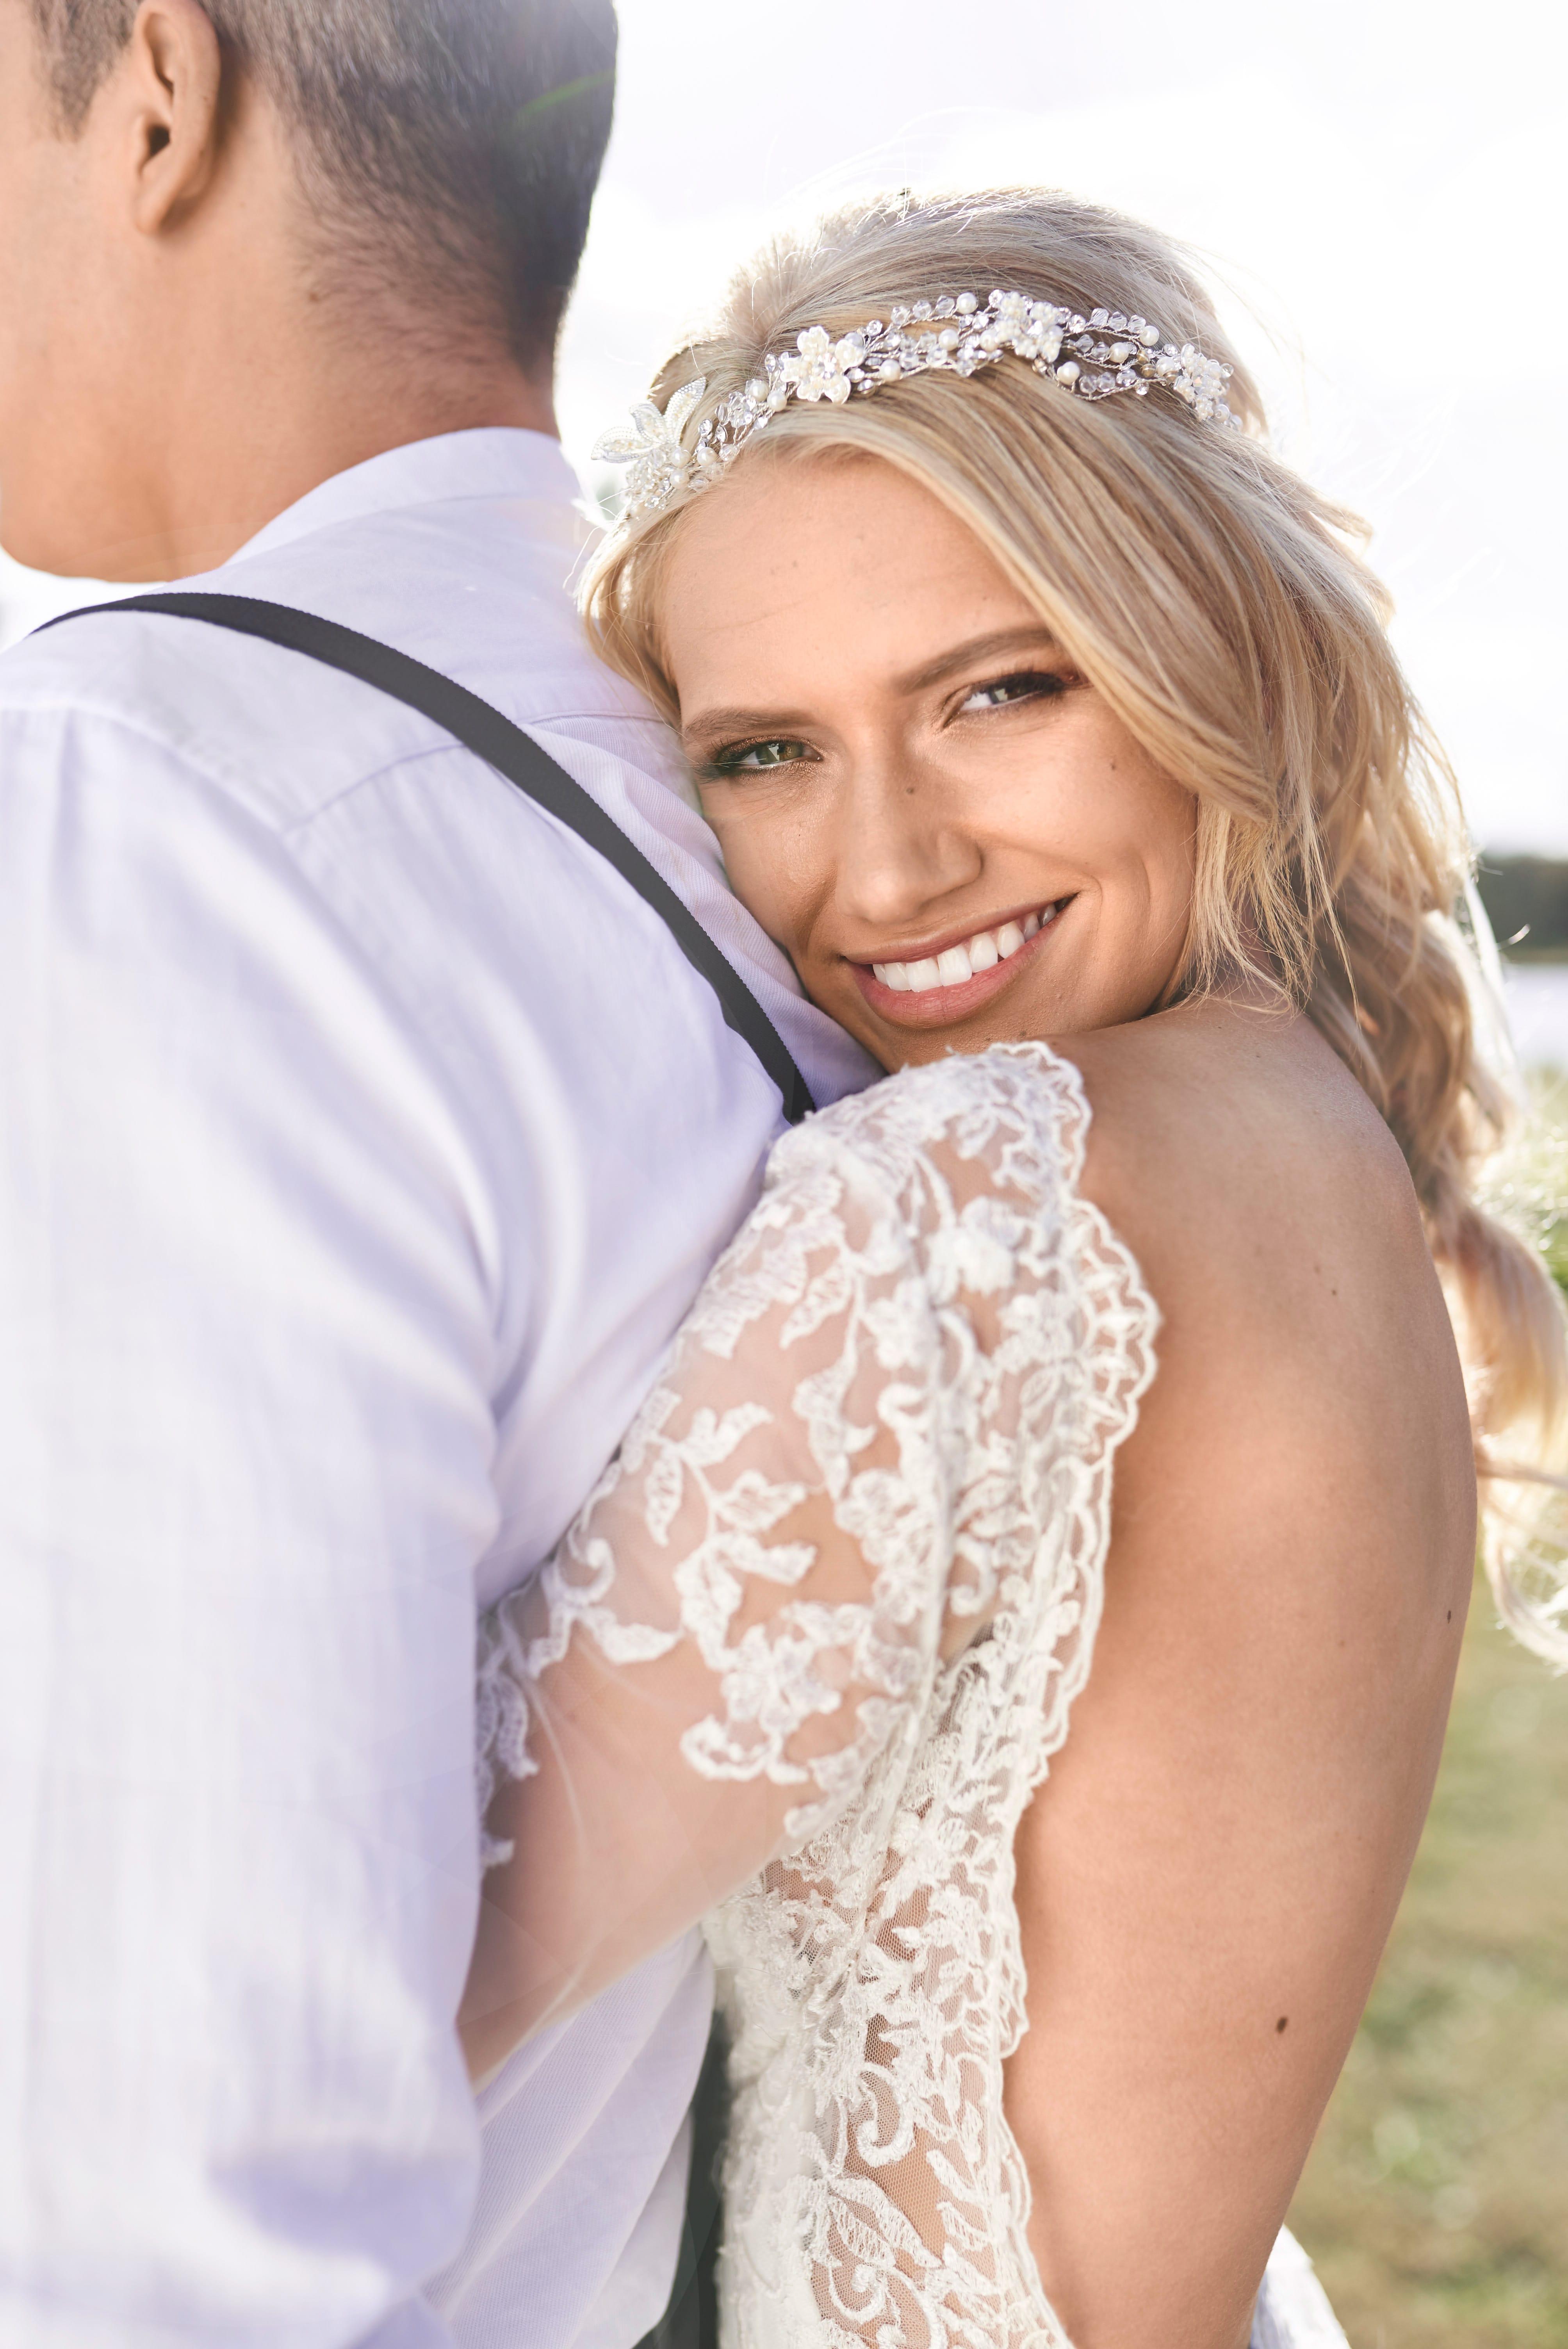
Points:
(482, 729)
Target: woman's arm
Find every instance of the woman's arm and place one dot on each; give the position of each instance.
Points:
(809, 1511)
(1207, 1879)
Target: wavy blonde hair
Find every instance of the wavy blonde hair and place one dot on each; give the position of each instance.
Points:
(1225, 611)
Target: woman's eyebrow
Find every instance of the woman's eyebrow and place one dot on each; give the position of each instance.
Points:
(711, 722)
(1000, 645)
(996, 646)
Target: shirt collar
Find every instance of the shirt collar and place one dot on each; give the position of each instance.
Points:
(494, 461)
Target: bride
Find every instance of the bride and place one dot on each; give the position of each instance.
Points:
(1050, 723)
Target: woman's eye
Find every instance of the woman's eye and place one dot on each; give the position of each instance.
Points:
(1028, 684)
(751, 757)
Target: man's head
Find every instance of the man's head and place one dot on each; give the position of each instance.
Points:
(232, 228)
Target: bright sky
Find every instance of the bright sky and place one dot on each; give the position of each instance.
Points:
(1377, 183)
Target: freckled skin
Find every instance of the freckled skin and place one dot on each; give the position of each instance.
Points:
(913, 820)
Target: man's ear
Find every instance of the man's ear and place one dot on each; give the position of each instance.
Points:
(166, 91)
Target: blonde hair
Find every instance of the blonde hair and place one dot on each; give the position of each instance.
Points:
(1223, 609)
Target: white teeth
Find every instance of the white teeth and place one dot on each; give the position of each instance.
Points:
(955, 965)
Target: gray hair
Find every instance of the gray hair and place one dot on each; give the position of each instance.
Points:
(452, 146)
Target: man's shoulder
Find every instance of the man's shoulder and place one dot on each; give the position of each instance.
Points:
(286, 735)
(104, 691)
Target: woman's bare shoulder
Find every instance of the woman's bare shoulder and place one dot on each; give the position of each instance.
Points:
(1206, 1879)
(1221, 1100)
(1308, 1368)
(1227, 1140)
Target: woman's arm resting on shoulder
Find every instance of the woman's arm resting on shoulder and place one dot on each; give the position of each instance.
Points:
(798, 1525)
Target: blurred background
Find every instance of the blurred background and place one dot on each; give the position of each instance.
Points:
(1375, 188)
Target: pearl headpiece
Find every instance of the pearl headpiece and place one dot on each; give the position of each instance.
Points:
(1093, 358)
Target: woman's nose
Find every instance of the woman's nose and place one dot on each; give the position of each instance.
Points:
(902, 845)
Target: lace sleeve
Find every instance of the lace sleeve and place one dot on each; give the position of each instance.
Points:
(835, 1477)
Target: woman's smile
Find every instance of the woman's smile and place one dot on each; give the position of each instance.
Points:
(948, 977)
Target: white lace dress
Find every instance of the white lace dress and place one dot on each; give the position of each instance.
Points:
(848, 1564)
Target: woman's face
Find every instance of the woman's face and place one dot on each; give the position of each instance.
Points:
(918, 797)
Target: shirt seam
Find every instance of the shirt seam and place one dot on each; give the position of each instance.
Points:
(300, 825)
(217, 780)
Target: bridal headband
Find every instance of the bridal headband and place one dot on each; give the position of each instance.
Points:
(1094, 357)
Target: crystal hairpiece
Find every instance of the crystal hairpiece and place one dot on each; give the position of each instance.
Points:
(1094, 357)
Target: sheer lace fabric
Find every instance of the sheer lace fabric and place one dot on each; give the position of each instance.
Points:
(845, 1573)
(873, 1979)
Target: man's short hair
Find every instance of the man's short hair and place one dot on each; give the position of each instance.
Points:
(452, 146)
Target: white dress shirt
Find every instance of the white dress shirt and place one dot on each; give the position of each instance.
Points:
(362, 1137)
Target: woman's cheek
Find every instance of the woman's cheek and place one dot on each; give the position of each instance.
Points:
(777, 862)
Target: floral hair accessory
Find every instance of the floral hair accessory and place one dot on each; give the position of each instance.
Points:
(1093, 358)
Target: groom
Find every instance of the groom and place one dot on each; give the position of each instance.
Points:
(362, 1136)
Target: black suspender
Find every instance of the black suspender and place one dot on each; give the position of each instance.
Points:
(514, 754)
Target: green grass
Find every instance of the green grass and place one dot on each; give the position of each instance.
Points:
(1435, 2199)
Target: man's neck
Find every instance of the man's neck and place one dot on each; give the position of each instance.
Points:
(245, 461)
(218, 359)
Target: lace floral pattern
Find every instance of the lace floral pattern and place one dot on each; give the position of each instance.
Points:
(873, 1982)
(852, 1550)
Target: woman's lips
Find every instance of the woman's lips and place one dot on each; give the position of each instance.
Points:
(931, 991)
